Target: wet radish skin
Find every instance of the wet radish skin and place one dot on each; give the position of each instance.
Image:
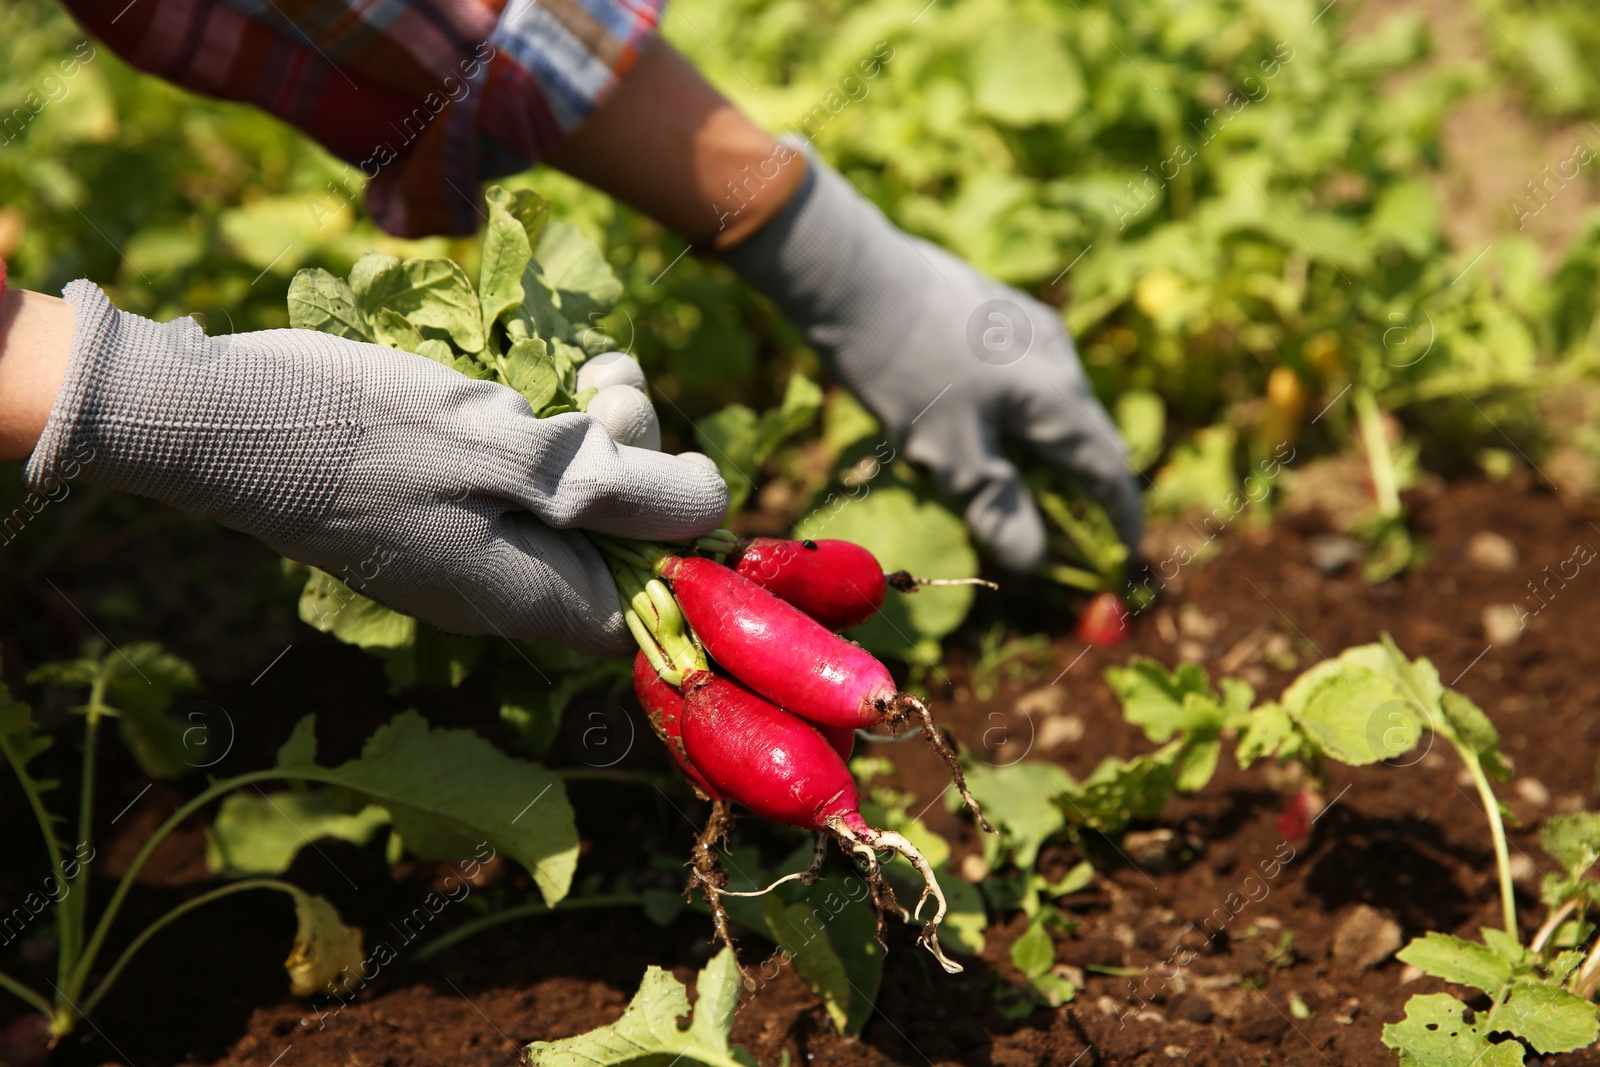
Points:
(778, 650)
(775, 764)
(664, 706)
(838, 583)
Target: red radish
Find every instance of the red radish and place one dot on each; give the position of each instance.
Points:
(791, 659)
(838, 583)
(778, 650)
(1294, 823)
(1105, 622)
(663, 705)
(783, 769)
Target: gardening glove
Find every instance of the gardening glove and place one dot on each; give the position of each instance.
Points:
(951, 361)
(430, 492)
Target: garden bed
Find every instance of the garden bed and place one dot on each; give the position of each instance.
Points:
(1403, 840)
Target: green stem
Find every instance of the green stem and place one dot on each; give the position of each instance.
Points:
(22, 992)
(80, 973)
(1074, 577)
(522, 911)
(1497, 830)
(1380, 461)
(75, 906)
(105, 983)
(30, 789)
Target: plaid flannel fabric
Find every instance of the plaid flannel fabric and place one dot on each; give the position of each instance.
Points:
(428, 98)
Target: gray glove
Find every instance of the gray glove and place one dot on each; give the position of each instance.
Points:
(428, 491)
(950, 360)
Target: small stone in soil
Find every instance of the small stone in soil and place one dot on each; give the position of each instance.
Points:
(1365, 938)
(1492, 551)
(1059, 730)
(1332, 553)
(1502, 624)
(1533, 791)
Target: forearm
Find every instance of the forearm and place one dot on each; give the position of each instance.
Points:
(35, 341)
(669, 145)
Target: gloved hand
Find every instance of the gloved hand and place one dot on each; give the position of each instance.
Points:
(951, 361)
(430, 492)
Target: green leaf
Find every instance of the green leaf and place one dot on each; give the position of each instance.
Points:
(802, 400)
(1153, 697)
(569, 284)
(391, 329)
(739, 441)
(370, 273)
(1199, 476)
(320, 301)
(142, 683)
(1197, 764)
(450, 792)
(1123, 791)
(1268, 730)
(1142, 419)
(1023, 77)
(1077, 878)
(648, 1030)
(1019, 800)
(261, 833)
(329, 605)
(531, 372)
(1359, 717)
(327, 954)
(1457, 960)
(1572, 841)
(1471, 725)
(1435, 1033)
(1034, 953)
(301, 747)
(832, 938)
(507, 249)
(1551, 1020)
(430, 293)
(909, 532)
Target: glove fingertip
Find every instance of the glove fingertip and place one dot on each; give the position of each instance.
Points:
(1004, 518)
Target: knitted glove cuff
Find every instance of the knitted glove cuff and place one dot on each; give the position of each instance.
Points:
(161, 410)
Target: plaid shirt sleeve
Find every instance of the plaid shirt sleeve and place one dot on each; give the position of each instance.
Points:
(428, 98)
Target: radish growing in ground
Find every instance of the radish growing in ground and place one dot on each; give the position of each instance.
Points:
(838, 583)
(1104, 622)
(794, 661)
(783, 769)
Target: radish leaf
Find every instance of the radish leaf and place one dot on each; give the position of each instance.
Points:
(320, 301)
(449, 792)
(1550, 1019)
(1434, 1033)
(261, 833)
(1459, 961)
(648, 1029)
(844, 965)
(327, 954)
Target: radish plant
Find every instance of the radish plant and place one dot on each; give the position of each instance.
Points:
(443, 791)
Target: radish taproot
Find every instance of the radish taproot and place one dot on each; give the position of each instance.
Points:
(783, 769)
(838, 583)
(794, 661)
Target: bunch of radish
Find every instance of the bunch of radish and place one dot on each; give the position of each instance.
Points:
(772, 726)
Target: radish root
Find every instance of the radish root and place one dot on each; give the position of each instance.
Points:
(706, 869)
(906, 705)
(906, 582)
(863, 840)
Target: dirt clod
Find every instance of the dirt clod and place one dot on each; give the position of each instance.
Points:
(1365, 938)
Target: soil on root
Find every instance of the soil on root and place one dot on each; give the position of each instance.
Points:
(1214, 885)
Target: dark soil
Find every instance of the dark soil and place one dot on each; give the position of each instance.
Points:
(1407, 841)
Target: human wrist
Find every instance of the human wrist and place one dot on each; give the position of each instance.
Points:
(35, 344)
